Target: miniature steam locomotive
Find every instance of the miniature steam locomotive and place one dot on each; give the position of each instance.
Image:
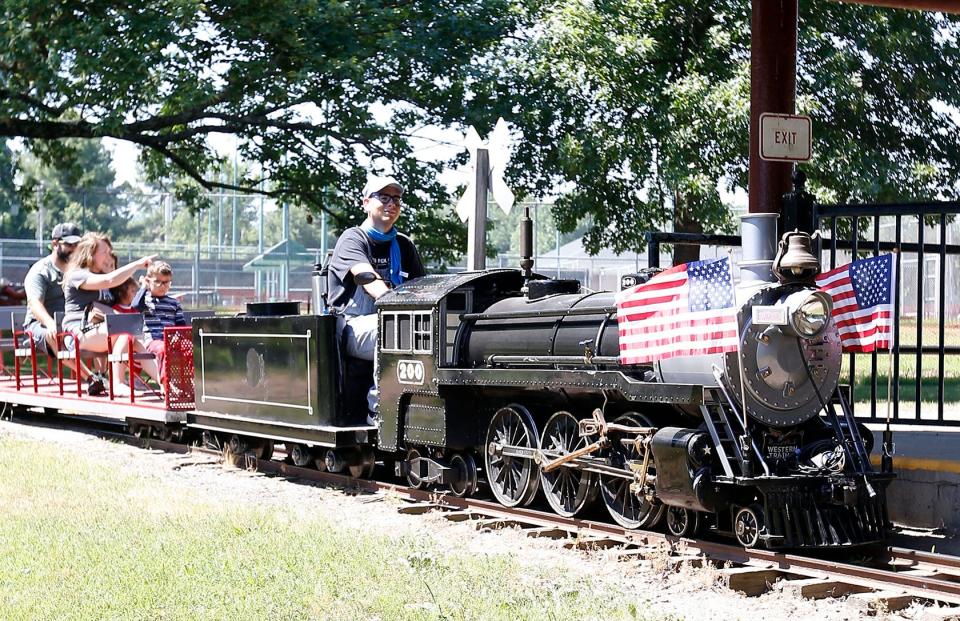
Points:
(513, 379)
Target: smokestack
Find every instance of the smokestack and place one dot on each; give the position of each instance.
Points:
(758, 241)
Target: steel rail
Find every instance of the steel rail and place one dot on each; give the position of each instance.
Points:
(881, 580)
(924, 587)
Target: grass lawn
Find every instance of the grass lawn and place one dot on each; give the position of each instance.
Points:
(80, 540)
(907, 377)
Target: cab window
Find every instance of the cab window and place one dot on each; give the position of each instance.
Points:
(406, 332)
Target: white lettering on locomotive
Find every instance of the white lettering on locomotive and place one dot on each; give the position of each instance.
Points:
(410, 372)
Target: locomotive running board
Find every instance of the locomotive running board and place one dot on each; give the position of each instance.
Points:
(632, 389)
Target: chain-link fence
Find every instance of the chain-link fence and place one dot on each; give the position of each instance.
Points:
(249, 248)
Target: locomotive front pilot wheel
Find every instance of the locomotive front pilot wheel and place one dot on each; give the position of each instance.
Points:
(682, 522)
(747, 526)
(625, 507)
(509, 455)
(568, 489)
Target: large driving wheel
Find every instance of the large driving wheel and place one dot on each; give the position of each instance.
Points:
(626, 508)
(568, 489)
(509, 456)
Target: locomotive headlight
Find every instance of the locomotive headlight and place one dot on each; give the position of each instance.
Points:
(809, 312)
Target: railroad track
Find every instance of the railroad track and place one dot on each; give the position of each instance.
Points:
(889, 580)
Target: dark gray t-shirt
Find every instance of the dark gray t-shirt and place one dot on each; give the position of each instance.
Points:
(44, 282)
(355, 246)
(76, 300)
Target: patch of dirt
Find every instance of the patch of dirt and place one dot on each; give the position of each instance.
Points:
(686, 591)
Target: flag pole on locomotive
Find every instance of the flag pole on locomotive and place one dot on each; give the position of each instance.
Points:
(864, 294)
(745, 439)
(888, 446)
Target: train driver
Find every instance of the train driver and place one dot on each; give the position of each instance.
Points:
(367, 262)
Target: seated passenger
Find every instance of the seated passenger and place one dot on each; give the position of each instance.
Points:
(122, 296)
(44, 288)
(159, 310)
(374, 249)
(87, 275)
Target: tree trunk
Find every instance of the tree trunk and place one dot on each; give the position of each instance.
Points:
(684, 222)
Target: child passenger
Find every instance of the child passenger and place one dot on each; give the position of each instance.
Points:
(122, 296)
(159, 310)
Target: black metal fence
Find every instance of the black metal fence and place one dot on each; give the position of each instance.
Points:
(927, 294)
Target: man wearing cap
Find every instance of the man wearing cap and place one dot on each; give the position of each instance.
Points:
(377, 254)
(44, 286)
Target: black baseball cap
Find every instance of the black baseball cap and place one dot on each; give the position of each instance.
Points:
(67, 232)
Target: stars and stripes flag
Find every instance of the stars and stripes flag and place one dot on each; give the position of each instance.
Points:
(687, 310)
(862, 294)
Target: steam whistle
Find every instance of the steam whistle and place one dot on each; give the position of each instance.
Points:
(526, 244)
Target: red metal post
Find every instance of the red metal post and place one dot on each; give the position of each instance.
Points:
(773, 88)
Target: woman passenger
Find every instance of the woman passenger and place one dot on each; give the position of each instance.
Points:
(87, 274)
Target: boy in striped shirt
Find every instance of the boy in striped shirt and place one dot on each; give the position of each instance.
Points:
(159, 310)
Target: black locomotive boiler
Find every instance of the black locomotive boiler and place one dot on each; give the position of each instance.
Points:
(515, 379)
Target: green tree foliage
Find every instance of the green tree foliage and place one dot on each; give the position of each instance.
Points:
(642, 109)
(12, 217)
(503, 230)
(871, 79)
(314, 91)
(82, 192)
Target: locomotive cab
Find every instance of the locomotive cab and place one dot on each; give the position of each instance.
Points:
(420, 327)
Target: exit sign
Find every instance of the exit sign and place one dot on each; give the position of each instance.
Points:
(785, 138)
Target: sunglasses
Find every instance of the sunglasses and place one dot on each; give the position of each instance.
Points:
(385, 198)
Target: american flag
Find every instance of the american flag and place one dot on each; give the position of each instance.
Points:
(687, 310)
(862, 294)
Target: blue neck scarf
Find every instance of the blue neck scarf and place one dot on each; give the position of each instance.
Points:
(391, 237)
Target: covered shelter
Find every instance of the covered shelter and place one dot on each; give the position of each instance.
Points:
(275, 263)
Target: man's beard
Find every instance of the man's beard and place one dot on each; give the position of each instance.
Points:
(64, 255)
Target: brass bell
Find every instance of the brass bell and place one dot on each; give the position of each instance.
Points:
(795, 261)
